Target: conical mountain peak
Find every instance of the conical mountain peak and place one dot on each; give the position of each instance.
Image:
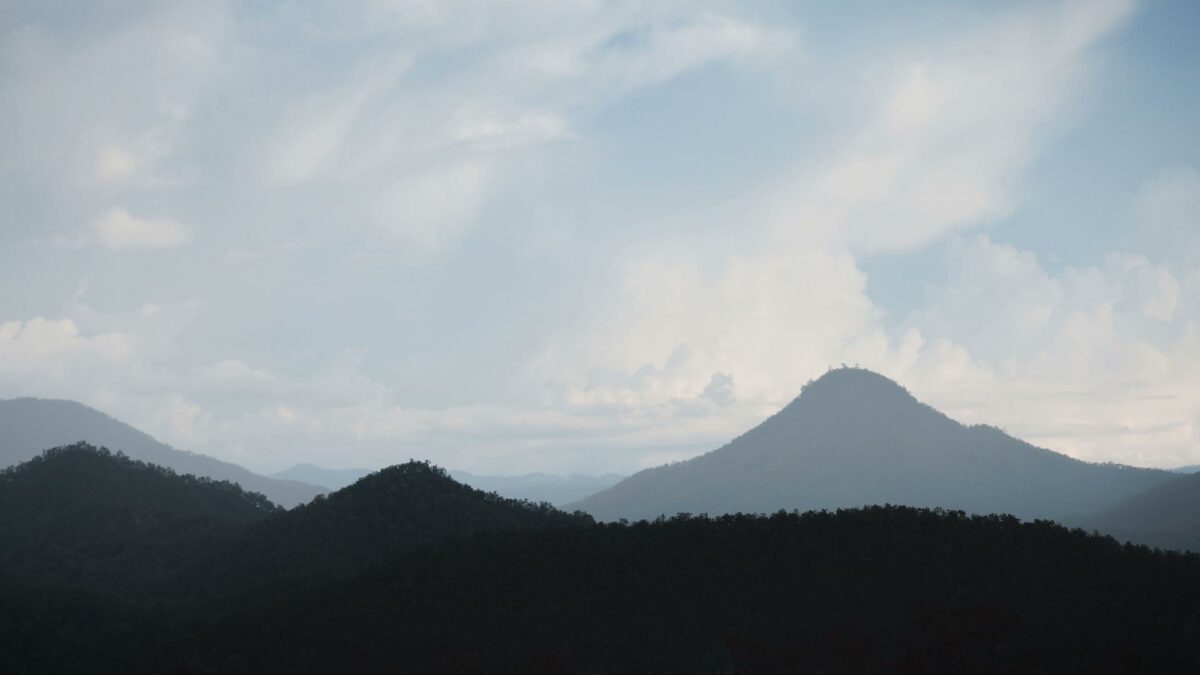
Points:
(855, 437)
(848, 393)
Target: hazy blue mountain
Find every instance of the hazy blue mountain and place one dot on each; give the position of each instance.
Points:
(854, 437)
(1167, 516)
(30, 425)
(1191, 468)
(333, 479)
(557, 489)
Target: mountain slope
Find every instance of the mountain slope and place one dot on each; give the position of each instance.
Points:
(1167, 516)
(30, 425)
(854, 437)
(104, 521)
(382, 515)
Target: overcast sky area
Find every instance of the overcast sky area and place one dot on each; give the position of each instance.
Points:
(584, 236)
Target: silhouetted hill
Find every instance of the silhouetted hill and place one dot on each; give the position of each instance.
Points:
(556, 489)
(1167, 516)
(30, 425)
(382, 515)
(84, 515)
(854, 437)
(881, 590)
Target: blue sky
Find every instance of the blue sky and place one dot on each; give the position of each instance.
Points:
(595, 236)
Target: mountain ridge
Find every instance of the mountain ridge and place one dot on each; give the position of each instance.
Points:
(30, 425)
(854, 437)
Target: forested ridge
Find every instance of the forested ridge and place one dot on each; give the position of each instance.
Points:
(410, 572)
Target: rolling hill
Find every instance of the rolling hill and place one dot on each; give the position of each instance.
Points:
(84, 515)
(382, 515)
(556, 489)
(854, 437)
(30, 425)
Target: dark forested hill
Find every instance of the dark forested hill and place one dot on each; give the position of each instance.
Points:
(854, 437)
(84, 516)
(1167, 516)
(30, 425)
(382, 515)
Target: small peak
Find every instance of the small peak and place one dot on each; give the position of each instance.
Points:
(849, 388)
(851, 379)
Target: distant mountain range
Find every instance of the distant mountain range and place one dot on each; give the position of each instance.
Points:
(31, 425)
(854, 437)
(557, 489)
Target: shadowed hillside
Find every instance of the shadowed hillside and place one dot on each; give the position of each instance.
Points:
(382, 515)
(83, 515)
(30, 425)
(854, 437)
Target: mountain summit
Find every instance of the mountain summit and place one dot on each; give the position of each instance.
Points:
(854, 437)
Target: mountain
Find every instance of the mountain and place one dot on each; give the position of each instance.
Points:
(30, 425)
(333, 479)
(1190, 468)
(1167, 516)
(82, 514)
(382, 515)
(854, 437)
(556, 489)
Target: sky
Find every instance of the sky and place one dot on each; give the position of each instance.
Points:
(598, 236)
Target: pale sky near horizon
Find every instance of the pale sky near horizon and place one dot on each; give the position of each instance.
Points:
(597, 236)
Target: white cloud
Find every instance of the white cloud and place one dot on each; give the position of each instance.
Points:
(117, 230)
(109, 107)
(1094, 361)
(42, 347)
(953, 125)
(427, 211)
